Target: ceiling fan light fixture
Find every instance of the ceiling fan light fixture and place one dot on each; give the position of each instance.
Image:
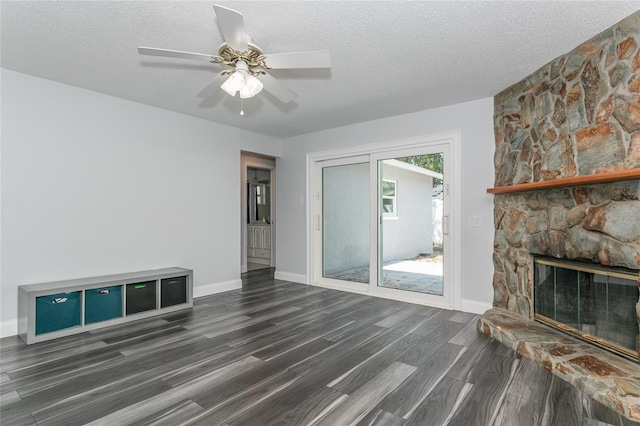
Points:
(234, 83)
(252, 86)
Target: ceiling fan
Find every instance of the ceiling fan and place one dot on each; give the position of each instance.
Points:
(248, 73)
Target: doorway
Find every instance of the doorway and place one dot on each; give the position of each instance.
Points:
(382, 223)
(258, 212)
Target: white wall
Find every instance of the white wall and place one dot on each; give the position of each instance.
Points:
(474, 119)
(94, 185)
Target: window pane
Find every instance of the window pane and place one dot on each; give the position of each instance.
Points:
(387, 205)
(388, 188)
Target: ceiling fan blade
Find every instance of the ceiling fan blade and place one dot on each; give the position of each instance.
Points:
(151, 51)
(277, 89)
(316, 59)
(213, 88)
(232, 27)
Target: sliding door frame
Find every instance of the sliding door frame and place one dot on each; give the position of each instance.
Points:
(453, 187)
(445, 299)
(356, 287)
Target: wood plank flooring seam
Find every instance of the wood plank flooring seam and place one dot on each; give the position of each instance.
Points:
(435, 383)
(391, 344)
(175, 394)
(359, 403)
(485, 399)
(516, 410)
(442, 404)
(240, 402)
(40, 359)
(312, 409)
(174, 415)
(514, 368)
(302, 343)
(327, 410)
(458, 402)
(230, 419)
(380, 351)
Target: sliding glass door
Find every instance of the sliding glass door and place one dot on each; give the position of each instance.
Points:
(381, 224)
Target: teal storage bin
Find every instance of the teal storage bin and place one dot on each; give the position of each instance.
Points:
(57, 311)
(102, 304)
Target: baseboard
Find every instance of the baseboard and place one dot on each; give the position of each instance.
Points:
(209, 289)
(475, 307)
(290, 276)
(8, 328)
(467, 305)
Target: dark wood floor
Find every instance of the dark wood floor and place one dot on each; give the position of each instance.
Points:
(278, 353)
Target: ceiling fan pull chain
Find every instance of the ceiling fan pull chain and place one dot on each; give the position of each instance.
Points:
(241, 107)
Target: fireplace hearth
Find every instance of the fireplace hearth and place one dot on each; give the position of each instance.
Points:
(609, 379)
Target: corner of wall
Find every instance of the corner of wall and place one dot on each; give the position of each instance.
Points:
(475, 307)
(214, 288)
(290, 276)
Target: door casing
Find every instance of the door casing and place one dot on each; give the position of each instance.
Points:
(258, 161)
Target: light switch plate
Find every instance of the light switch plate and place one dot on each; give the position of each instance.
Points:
(474, 220)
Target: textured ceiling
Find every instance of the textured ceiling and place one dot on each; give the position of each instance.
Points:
(388, 58)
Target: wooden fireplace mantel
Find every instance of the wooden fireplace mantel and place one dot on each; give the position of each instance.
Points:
(617, 176)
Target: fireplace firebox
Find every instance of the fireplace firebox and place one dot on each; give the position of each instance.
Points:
(590, 301)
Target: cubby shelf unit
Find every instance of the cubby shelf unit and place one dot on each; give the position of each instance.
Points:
(56, 309)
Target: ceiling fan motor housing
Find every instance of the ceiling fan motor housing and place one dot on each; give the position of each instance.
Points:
(252, 56)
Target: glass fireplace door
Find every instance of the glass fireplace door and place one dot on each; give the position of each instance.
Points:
(592, 302)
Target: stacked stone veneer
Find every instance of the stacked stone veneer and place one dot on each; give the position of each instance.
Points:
(578, 115)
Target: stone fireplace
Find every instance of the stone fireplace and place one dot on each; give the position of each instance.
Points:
(575, 118)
